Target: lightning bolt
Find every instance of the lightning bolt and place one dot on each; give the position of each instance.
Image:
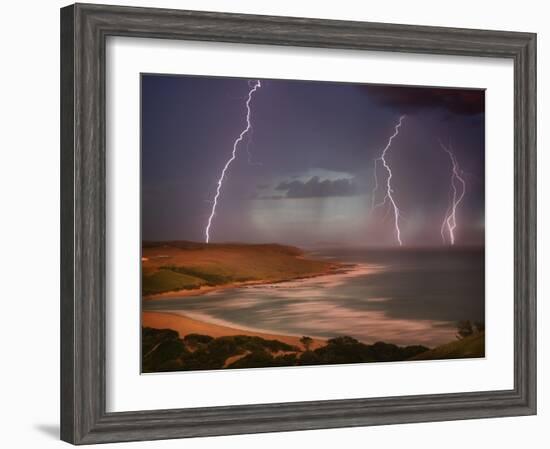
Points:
(254, 86)
(389, 190)
(456, 195)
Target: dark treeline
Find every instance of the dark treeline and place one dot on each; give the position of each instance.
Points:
(163, 350)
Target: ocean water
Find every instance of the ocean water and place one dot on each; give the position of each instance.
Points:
(397, 296)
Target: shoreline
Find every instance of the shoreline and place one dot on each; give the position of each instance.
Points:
(334, 268)
(184, 325)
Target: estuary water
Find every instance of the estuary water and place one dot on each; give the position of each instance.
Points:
(397, 296)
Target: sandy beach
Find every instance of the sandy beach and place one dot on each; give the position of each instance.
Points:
(185, 325)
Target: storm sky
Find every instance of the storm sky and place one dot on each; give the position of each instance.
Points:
(307, 177)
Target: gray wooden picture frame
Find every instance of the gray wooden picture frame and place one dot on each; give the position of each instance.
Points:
(84, 29)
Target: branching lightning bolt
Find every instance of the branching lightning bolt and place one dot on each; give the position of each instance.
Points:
(456, 195)
(253, 88)
(389, 190)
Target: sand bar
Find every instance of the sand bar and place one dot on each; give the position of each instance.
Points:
(185, 325)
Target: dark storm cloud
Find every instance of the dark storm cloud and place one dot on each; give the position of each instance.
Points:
(314, 188)
(410, 100)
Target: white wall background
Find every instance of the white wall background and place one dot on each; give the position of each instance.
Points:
(29, 225)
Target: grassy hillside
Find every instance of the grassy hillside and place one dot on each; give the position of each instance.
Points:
(172, 266)
(469, 347)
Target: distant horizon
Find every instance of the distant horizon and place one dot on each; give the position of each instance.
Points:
(334, 246)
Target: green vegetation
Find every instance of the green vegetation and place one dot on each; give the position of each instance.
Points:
(306, 342)
(168, 280)
(349, 350)
(172, 266)
(163, 350)
(210, 278)
(472, 346)
(466, 328)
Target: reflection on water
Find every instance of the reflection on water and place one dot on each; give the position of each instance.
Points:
(402, 297)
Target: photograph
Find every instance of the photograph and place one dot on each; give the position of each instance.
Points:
(278, 222)
(295, 223)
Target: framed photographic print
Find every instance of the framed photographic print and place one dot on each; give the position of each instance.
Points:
(268, 223)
